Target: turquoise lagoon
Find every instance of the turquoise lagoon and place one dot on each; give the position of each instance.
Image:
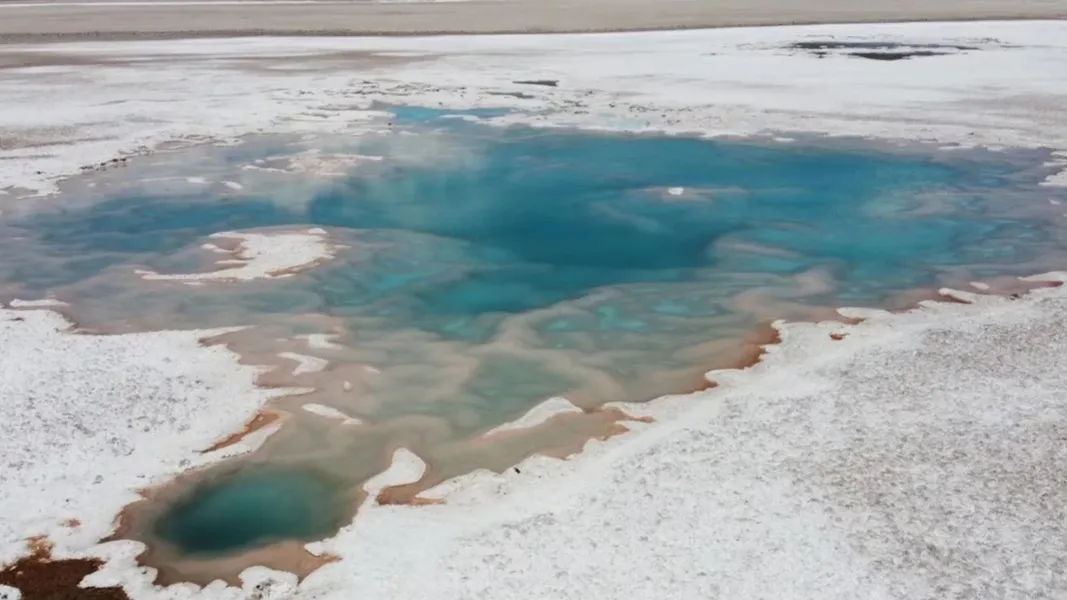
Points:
(488, 269)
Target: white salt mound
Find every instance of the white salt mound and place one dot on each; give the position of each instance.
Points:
(260, 256)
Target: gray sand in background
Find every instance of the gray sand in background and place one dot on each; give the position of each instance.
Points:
(57, 20)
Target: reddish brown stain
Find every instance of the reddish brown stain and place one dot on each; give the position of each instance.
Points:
(72, 523)
(749, 353)
(39, 577)
(837, 337)
(258, 422)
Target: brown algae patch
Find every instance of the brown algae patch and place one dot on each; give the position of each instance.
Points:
(39, 576)
(261, 420)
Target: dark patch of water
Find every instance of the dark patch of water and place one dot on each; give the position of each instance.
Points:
(254, 507)
(879, 50)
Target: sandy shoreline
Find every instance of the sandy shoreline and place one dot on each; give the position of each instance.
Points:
(154, 19)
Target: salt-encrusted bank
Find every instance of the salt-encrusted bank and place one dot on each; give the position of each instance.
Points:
(91, 420)
(910, 456)
(919, 456)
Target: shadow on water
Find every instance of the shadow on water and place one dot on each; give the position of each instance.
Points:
(486, 270)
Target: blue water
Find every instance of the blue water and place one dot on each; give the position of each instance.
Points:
(418, 115)
(252, 508)
(489, 269)
(539, 218)
(463, 228)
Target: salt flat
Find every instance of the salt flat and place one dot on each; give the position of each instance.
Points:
(919, 457)
(1007, 91)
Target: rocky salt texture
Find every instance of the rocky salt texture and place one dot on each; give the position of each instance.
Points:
(90, 420)
(259, 256)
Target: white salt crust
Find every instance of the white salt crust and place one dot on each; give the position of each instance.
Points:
(269, 255)
(41, 303)
(330, 412)
(93, 419)
(304, 363)
(538, 415)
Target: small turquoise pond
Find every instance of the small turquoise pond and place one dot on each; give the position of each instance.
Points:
(253, 507)
(488, 269)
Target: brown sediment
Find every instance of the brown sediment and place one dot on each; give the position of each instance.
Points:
(40, 577)
(403, 495)
(262, 419)
(749, 353)
(837, 337)
(754, 347)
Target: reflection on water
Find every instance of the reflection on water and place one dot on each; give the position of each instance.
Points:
(487, 270)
